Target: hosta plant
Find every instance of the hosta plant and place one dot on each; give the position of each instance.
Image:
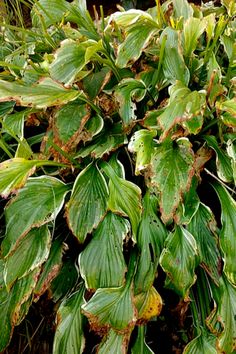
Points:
(117, 174)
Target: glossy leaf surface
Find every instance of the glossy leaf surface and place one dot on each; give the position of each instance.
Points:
(111, 307)
(203, 228)
(127, 93)
(104, 254)
(178, 260)
(31, 252)
(37, 203)
(172, 171)
(141, 144)
(43, 94)
(11, 302)
(50, 269)
(69, 337)
(88, 202)
(124, 198)
(204, 343)
(228, 232)
(150, 241)
(222, 319)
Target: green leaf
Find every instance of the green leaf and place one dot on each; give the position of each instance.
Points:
(124, 198)
(43, 94)
(178, 260)
(173, 63)
(111, 307)
(11, 303)
(189, 206)
(114, 342)
(94, 82)
(110, 139)
(182, 9)
(150, 242)
(138, 36)
(37, 203)
(6, 108)
(204, 343)
(65, 281)
(222, 319)
(229, 107)
(171, 174)
(184, 108)
(107, 242)
(51, 268)
(70, 59)
(193, 29)
(126, 94)
(88, 202)
(69, 336)
(52, 12)
(223, 163)
(31, 252)
(140, 346)
(203, 228)
(13, 124)
(70, 121)
(231, 150)
(228, 232)
(141, 143)
(14, 174)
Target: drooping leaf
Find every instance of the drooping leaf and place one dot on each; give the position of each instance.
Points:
(51, 268)
(111, 307)
(189, 206)
(107, 141)
(141, 144)
(37, 203)
(182, 9)
(124, 198)
(178, 260)
(69, 336)
(148, 304)
(11, 302)
(6, 108)
(171, 174)
(204, 343)
(13, 124)
(31, 252)
(44, 8)
(127, 93)
(223, 163)
(65, 281)
(88, 202)
(137, 36)
(14, 173)
(203, 228)
(173, 63)
(222, 319)
(140, 345)
(94, 82)
(70, 59)
(193, 29)
(184, 108)
(229, 107)
(43, 94)
(70, 120)
(228, 231)
(150, 242)
(114, 342)
(104, 254)
(231, 151)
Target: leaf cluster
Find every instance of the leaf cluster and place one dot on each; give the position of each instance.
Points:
(118, 161)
